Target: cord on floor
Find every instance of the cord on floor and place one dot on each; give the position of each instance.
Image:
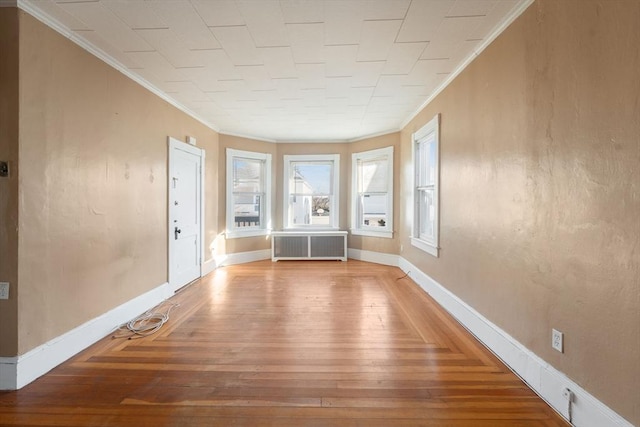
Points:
(147, 323)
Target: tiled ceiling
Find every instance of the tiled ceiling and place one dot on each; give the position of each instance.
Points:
(286, 70)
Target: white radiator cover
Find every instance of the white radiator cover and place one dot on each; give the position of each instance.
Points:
(291, 245)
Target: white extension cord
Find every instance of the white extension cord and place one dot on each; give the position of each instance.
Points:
(146, 324)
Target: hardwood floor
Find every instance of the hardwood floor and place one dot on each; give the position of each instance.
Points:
(288, 344)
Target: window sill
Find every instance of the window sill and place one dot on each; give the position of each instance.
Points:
(372, 233)
(426, 247)
(312, 228)
(247, 233)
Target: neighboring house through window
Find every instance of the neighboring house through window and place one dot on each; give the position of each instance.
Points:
(372, 201)
(425, 231)
(311, 191)
(248, 193)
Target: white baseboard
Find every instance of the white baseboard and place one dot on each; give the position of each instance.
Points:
(208, 266)
(242, 257)
(16, 372)
(375, 257)
(544, 379)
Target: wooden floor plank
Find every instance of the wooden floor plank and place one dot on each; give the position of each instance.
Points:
(288, 344)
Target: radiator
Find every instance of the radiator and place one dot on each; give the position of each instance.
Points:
(289, 245)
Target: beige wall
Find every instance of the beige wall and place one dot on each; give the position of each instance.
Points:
(540, 176)
(9, 186)
(93, 185)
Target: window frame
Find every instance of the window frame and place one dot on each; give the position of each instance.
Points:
(357, 226)
(430, 246)
(334, 217)
(233, 232)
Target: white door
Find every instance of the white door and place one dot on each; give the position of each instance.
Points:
(186, 178)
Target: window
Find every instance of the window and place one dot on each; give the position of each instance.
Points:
(311, 191)
(248, 193)
(372, 202)
(426, 187)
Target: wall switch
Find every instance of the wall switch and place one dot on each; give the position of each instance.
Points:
(557, 340)
(4, 290)
(4, 169)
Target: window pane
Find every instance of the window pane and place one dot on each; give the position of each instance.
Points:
(373, 176)
(320, 210)
(311, 210)
(427, 161)
(427, 215)
(247, 209)
(247, 175)
(374, 210)
(312, 177)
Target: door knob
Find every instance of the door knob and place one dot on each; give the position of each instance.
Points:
(176, 232)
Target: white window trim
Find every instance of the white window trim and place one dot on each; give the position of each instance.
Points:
(265, 229)
(334, 213)
(356, 227)
(432, 248)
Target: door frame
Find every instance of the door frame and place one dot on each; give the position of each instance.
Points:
(176, 144)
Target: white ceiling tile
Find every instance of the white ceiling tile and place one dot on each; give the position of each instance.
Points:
(385, 9)
(238, 44)
(360, 95)
(338, 86)
(183, 19)
(314, 97)
(257, 77)
(218, 13)
(171, 47)
(220, 64)
(343, 22)
(403, 57)
(278, 61)
(302, 11)
(265, 22)
(388, 85)
(100, 19)
(423, 19)
(340, 60)
(367, 73)
(377, 39)
(471, 7)
(307, 42)
(136, 13)
(287, 88)
(311, 76)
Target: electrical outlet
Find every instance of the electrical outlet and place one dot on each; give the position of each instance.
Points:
(557, 340)
(4, 290)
